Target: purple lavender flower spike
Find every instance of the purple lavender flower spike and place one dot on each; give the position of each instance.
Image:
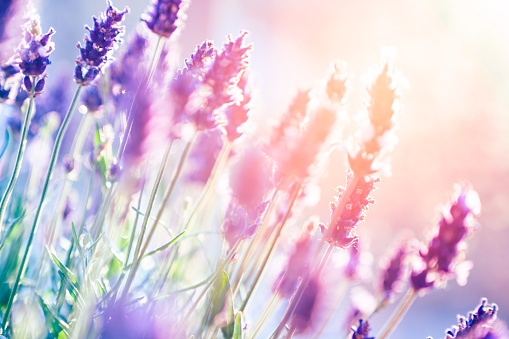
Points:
(236, 114)
(33, 55)
(354, 212)
(102, 39)
(241, 224)
(197, 64)
(296, 267)
(303, 316)
(92, 99)
(362, 331)
(215, 89)
(164, 16)
(203, 156)
(393, 271)
(476, 324)
(444, 250)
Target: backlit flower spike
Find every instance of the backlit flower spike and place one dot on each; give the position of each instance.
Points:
(221, 77)
(33, 55)
(336, 86)
(378, 134)
(355, 209)
(362, 331)
(251, 178)
(99, 44)
(394, 271)
(127, 70)
(306, 309)
(297, 265)
(165, 16)
(477, 324)
(197, 64)
(444, 254)
(240, 223)
(237, 113)
(203, 155)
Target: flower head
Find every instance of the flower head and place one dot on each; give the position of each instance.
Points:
(33, 56)
(240, 223)
(102, 39)
(236, 114)
(355, 209)
(446, 249)
(476, 324)
(306, 307)
(362, 331)
(164, 16)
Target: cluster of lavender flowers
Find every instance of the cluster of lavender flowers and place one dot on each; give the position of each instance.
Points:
(164, 213)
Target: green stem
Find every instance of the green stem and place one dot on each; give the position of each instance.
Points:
(19, 158)
(399, 314)
(272, 245)
(138, 255)
(53, 160)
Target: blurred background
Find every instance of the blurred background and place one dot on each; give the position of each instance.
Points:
(454, 125)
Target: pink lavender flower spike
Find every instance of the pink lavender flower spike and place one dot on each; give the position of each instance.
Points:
(33, 55)
(240, 223)
(164, 15)
(196, 65)
(304, 313)
(342, 234)
(296, 267)
(477, 324)
(444, 252)
(362, 331)
(203, 156)
(251, 178)
(216, 88)
(102, 39)
(237, 114)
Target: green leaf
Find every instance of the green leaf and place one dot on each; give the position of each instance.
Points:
(77, 242)
(237, 330)
(159, 249)
(55, 323)
(67, 275)
(221, 301)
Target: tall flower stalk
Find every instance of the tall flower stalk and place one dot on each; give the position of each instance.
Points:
(93, 57)
(32, 58)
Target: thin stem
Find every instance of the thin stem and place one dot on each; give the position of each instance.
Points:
(53, 160)
(19, 158)
(272, 245)
(399, 314)
(266, 313)
(145, 80)
(151, 202)
(139, 256)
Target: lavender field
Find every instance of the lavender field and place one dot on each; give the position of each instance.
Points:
(242, 169)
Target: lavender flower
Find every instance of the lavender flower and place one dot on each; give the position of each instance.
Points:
(297, 265)
(381, 113)
(236, 114)
(127, 70)
(240, 223)
(362, 331)
(342, 234)
(215, 90)
(103, 38)
(33, 55)
(250, 178)
(477, 324)
(196, 65)
(445, 249)
(203, 156)
(164, 16)
(92, 99)
(336, 82)
(393, 271)
(304, 313)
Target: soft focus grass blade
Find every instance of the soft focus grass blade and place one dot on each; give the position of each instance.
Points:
(65, 273)
(237, 329)
(55, 323)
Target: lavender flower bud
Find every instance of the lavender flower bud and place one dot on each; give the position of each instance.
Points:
(92, 99)
(240, 223)
(476, 324)
(304, 313)
(34, 50)
(27, 82)
(444, 251)
(102, 39)
(354, 212)
(165, 16)
(362, 331)
(39, 86)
